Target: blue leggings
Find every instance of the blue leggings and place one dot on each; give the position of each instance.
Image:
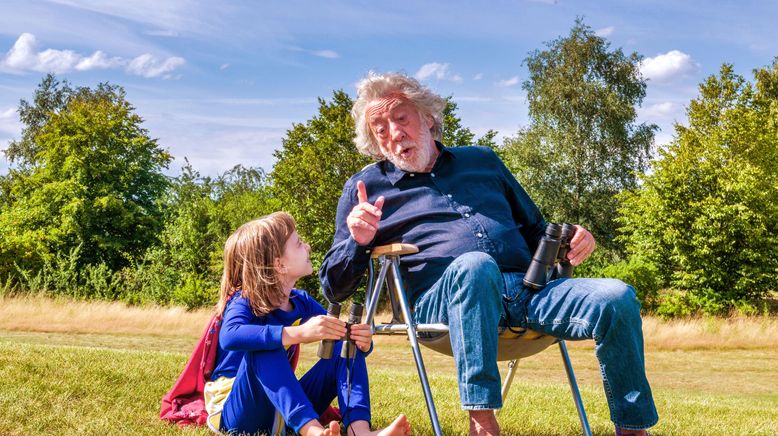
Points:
(265, 383)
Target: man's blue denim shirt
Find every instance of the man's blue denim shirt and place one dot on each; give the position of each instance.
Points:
(468, 202)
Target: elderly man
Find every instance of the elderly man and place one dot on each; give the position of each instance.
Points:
(476, 229)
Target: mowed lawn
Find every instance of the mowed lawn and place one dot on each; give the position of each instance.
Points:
(99, 368)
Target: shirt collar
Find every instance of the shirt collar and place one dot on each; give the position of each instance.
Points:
(394, 174)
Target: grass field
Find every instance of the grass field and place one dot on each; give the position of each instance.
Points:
(101, 368)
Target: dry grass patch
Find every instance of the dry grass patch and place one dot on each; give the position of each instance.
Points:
(41, 314)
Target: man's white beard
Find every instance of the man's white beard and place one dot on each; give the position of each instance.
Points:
(422, 153)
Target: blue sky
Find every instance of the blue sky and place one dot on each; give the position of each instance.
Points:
(221, 82)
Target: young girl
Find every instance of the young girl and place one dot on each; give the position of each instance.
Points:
(264, 319)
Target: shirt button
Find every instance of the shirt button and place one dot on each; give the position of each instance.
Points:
(432, 174)
(367, 251)
(412, 174)
(467, 215)
(449, 196)
(480, 235)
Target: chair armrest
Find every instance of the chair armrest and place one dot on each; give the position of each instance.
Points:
(394, 250)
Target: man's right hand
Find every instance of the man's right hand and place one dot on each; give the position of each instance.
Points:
(363, 220)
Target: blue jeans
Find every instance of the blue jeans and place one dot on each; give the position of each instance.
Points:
(476, 300)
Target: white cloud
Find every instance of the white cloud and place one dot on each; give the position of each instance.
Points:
(605, 31)
(148, 66)
(438, 70)
(25, 55)
(667, 66)
(329, 54)
(478, 76)
(98, 60)
(224, 66)
(432, 69)
(509, 82)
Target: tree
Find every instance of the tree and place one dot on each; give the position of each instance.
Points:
(707, 216)
(187, 263)
(314, 162)
(455, 135)
(87, 176)
(582, 145)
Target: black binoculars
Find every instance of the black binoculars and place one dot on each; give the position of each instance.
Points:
(550, 259)
(349, 348)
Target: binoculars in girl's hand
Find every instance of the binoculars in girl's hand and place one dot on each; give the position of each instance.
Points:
(550, 259)
(349, 348)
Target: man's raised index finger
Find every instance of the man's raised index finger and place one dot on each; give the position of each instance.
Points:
(361, 191)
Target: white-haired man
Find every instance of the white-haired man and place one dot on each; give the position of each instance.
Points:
(476, 229)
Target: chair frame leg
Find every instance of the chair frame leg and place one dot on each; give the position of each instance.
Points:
(506, 385)
(574, 388)
(406, 311)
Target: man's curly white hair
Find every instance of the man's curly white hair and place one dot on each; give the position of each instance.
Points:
(377, 86)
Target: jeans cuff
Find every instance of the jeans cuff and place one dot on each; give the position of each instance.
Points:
(481, 406)
(637, 427)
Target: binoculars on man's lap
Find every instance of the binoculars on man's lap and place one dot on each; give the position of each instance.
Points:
(349, 348)
(550, 259)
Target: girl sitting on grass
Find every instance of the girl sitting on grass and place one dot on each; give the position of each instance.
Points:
(264, 318)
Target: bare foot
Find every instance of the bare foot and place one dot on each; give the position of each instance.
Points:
(399, 427)
(483, 423)
(332, 430)
(313, 428)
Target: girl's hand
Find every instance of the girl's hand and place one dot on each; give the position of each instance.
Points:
(315, 329)
(362, 336)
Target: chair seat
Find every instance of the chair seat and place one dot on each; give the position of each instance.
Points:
(509, 346)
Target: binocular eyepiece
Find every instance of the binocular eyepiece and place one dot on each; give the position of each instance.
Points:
(550, 259)
(349, 348)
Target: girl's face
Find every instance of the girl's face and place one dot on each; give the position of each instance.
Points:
(296, 260)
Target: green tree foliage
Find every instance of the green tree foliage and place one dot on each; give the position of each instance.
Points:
(582, 145)
(185, 267)
(314, 162)
(707, 216)
(455, 135)
(87, 176)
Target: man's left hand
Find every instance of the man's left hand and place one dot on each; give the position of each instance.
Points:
(581, 246)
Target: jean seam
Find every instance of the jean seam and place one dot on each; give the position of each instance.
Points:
(464, 358)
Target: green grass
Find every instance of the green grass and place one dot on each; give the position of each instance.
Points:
(61, 383)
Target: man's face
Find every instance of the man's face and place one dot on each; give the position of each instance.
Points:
(402, 134)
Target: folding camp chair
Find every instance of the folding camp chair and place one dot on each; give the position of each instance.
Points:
(512, 346)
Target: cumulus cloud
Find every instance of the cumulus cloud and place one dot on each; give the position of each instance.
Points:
(329, 54)
(224, 66)
(508, 82)
(478, 76)
(148, 66)
(437, 70)
(667, 66)
(605, 31)
(25, 55)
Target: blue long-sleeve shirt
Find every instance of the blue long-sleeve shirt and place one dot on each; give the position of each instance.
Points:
(468, 202)
(242, 331)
